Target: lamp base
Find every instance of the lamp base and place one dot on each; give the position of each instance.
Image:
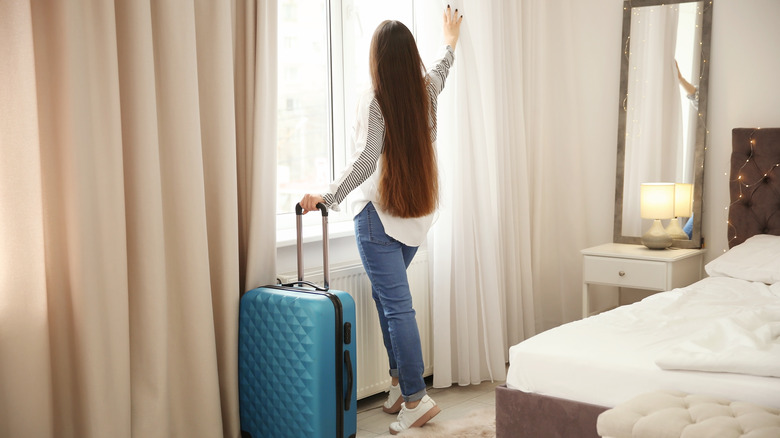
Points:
(675, 231)
(656, 237)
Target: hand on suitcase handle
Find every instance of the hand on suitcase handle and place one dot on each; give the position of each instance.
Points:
(309, 200)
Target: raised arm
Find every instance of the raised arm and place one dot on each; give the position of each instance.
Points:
(687, 86)
(437, 75)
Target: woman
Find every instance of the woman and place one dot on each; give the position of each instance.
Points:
(394, 171)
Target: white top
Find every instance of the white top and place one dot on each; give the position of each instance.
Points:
(365, 167)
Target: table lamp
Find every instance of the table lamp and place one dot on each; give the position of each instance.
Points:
(683, 194)
(656, 202)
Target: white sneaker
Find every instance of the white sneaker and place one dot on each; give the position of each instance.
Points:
(394, 400)
(416, 417)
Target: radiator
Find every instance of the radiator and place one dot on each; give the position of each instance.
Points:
(372, 365)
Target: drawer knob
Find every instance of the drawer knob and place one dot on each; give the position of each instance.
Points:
(622, 273)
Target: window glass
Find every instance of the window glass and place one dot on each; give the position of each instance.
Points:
(303, 124)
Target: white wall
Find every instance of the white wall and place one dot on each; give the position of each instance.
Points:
(744, 92)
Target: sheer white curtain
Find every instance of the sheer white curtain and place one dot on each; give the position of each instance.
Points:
(481, 266)
(571, 76)
(653, 113)
(527, 153)
(130, 185)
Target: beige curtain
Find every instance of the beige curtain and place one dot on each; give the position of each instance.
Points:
(137, 149)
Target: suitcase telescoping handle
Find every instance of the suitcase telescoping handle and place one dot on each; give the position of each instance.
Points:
(299, 239)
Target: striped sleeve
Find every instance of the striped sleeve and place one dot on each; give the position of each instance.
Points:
(364, 161)
(438, 74)
(436, 78)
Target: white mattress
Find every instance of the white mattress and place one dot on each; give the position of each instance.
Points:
(611, 357)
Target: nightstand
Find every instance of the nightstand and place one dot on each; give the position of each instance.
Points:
(638, 267)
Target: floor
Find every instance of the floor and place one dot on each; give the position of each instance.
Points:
(455, 402)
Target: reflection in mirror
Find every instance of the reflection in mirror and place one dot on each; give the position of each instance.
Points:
(661, 131)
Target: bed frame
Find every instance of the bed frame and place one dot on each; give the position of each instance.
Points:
(524, 414)
(754, 188)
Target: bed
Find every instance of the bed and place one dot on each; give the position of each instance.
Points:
(718, 336)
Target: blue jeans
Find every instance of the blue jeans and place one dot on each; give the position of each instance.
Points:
(385, 261)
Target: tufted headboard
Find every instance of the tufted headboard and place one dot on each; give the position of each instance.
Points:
(754, 184)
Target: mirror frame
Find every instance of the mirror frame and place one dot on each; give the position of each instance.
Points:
(697, 240)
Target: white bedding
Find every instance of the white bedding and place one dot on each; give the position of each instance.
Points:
(609, 358)
(745, 343)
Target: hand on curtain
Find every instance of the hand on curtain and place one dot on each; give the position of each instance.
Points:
(452, 26)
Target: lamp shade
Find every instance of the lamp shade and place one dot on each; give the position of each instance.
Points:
(683, 194)
(656, 200)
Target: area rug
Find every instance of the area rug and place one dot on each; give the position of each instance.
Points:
(479, 424)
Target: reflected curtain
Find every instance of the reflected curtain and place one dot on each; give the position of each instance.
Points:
(137, 148)
(653, 113)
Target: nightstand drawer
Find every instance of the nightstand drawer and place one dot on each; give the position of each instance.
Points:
(641, 274)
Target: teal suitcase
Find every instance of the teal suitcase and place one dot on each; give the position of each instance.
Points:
(297, 358)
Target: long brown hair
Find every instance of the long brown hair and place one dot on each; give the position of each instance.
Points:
(408, 185)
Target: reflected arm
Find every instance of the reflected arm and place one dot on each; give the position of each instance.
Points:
(687, 86)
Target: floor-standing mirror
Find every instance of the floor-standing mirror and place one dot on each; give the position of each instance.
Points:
(662, 111)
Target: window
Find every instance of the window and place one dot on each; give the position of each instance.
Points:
(303, 127)
(323, 68)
